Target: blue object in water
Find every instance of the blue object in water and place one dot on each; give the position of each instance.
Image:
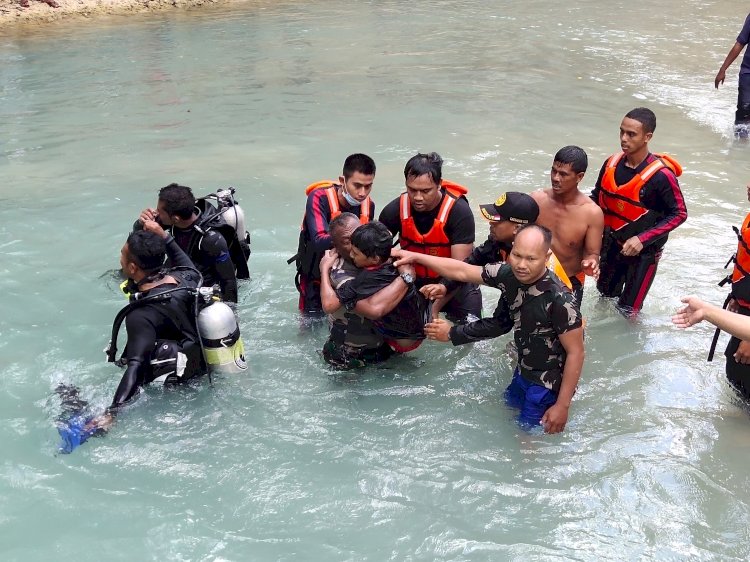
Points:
(73, 432)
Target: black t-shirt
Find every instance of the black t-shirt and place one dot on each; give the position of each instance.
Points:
(459, 228)
(348, 329)
(405, 321)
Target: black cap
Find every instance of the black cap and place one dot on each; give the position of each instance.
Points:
(512, 206)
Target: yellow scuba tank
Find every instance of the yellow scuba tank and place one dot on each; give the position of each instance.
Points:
(220, 338)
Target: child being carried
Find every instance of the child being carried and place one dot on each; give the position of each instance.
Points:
(403, 327)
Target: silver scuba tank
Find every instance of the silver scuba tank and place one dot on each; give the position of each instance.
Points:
(231, 211)
(220, 336)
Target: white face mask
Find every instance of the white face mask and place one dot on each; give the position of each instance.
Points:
(349, 199)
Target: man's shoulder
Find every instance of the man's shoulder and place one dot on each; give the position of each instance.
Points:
(392, 207)
(319, 194)
(498, 271)
(213, 240)
(461, 210)
(550, 283)
(587, 206)
(541, 195)
(342, 272)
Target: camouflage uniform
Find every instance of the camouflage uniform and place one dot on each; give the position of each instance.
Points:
(353, 341)
(540, 313)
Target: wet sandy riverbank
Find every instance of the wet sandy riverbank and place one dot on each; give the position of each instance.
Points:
(17, 14)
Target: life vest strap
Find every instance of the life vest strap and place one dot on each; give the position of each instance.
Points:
(333, 202)
(717, 332)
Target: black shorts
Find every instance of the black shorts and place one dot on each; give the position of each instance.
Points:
(743, 100)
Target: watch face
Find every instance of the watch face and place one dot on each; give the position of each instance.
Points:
(407, 277)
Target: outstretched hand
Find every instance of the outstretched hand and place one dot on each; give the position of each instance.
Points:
(402, 257)
(691, 314)
(102, 422)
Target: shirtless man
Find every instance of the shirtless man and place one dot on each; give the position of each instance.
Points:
(576, 222)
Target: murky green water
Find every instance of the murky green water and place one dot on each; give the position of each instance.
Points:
(419, 460)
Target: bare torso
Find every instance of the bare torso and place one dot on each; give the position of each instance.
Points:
(576, 223)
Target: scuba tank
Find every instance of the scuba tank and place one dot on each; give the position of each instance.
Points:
(228, 218)
(220, 336)
(231, 211)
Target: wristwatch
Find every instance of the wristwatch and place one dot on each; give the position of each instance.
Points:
(408, 278)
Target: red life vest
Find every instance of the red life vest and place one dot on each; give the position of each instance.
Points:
(741, 273)
(333, 200)
(435, 242)
(622, 203)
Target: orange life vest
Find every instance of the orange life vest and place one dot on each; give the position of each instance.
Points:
(554, 265)
(333, 200)
(435, 242)
(741, 273)
(622, 203)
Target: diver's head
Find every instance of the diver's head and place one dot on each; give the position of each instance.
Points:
(143, 254)
(371, 244)
(176, 203)
(341, 229)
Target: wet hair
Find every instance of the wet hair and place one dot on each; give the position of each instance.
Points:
(422, 164)
(147, 250)
(358, 163)
(178, 200)
(573, 155)
(373, 240)
(645, 117)
(546, 233)
(342, 221)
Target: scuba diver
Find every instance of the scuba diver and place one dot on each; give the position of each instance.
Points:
(164, 328)
(214, 238)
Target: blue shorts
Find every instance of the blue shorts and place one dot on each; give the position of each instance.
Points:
(532, 399)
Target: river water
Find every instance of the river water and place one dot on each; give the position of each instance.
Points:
(419, 459)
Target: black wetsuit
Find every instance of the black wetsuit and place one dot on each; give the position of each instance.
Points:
(153, 325)
(210, 254)
(405, 321)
